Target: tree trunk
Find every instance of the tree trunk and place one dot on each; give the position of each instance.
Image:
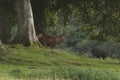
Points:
(4, 22)
(26, 31)
(1, 46)
(38, 7)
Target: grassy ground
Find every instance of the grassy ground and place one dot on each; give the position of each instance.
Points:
(25, 63)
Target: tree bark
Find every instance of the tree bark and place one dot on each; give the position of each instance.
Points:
(1, 46)
(26, 31)
(4, 22)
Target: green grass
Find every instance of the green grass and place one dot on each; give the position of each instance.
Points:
(28, 63)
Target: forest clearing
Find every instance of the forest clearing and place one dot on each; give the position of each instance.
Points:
(59, 39)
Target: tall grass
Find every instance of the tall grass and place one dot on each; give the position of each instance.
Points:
(43, 64)
(66, 73)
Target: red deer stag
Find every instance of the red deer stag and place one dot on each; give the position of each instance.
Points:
(50, 41)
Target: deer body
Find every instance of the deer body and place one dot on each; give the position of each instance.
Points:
(99, 53)
(50, 41)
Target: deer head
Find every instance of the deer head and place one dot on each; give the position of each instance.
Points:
(60, 38)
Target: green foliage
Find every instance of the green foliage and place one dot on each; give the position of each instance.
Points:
(100, 19)
(82, 38)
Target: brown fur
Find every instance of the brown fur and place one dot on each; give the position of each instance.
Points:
(98, 53)
(60, 38)
(50, 41)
